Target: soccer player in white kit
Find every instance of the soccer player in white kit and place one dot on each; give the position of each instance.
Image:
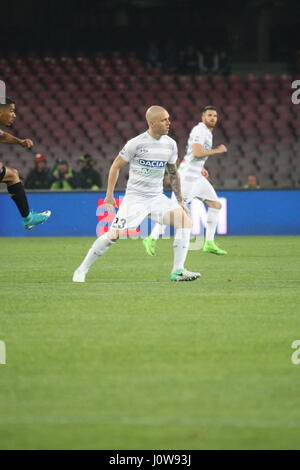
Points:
(194, 182)
(148, 155)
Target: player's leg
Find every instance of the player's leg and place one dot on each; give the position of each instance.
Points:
(150, 242)
(10, 176)
(129, 216)
(158, 229)
(212, 221)
(98, 248)
(183, 225)
(205, 191)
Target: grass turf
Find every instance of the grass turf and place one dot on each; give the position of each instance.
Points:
(130, 360)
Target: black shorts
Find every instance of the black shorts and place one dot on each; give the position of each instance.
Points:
(2, 173)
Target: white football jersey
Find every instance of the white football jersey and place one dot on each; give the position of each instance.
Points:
(191, 167)
(147, 158)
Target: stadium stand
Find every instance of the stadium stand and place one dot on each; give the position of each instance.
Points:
(75, 104)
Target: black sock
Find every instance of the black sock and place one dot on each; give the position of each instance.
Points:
(18, 194)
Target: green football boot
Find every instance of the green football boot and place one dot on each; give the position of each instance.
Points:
(184, 275)
(211, 247)
(150, 244)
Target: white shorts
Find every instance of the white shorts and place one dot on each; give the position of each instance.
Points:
(199, 188)
(134, 209)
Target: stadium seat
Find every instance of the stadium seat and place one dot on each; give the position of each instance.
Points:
(99, 100)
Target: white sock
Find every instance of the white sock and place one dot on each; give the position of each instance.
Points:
(157, 231)
(98, 248)
(180, 246)
(212, 222)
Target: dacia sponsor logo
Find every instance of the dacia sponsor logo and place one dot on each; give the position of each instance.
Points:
(152, 163)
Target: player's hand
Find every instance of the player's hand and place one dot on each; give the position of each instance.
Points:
(27, 143)
(184, 207)
(221, 148)
(204, 173)
(109, 203)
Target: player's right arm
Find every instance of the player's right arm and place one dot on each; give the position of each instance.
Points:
(6, 138)
(199, 152)
(113, 176)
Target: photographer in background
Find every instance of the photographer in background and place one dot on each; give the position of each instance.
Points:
(88, 177)
(63, 177)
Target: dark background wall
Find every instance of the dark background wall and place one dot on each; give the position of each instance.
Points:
(249, 30)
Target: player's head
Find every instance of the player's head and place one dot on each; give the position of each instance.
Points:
(158, 120)
(7, 112)
(209, 116)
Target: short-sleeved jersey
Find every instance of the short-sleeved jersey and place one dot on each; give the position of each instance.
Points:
(200, 134)
(147, 158)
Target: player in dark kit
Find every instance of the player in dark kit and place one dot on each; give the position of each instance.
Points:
(10, 176)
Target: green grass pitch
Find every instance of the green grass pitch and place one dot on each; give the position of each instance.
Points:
(130, 360)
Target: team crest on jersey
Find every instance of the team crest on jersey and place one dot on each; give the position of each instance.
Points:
(142, 151)
(152, 163)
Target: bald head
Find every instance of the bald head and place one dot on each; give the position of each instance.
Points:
(154, 113)
(157, 118)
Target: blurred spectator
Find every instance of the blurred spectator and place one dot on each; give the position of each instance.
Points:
(251, 183)
(40, 176)
(208, 60)
(152, 56)
(188, 59)
(63, 177)
(224, 63)
(88, 177)
(169, 56)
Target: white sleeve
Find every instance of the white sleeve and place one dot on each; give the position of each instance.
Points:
(128, 151)
(174, 155)
(198, 137)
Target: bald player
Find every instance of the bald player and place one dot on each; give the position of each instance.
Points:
(194, 180)
(10, 176)
(148, 155)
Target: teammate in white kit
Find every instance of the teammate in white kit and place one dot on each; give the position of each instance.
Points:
(194, 182)
(148, 155)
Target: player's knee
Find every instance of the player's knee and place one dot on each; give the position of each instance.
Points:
(113, 235)
(12, 175)
(187, 223)
(15, 173)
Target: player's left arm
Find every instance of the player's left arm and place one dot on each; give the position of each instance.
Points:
(175, 183)
(200, 152)
(6, 138)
